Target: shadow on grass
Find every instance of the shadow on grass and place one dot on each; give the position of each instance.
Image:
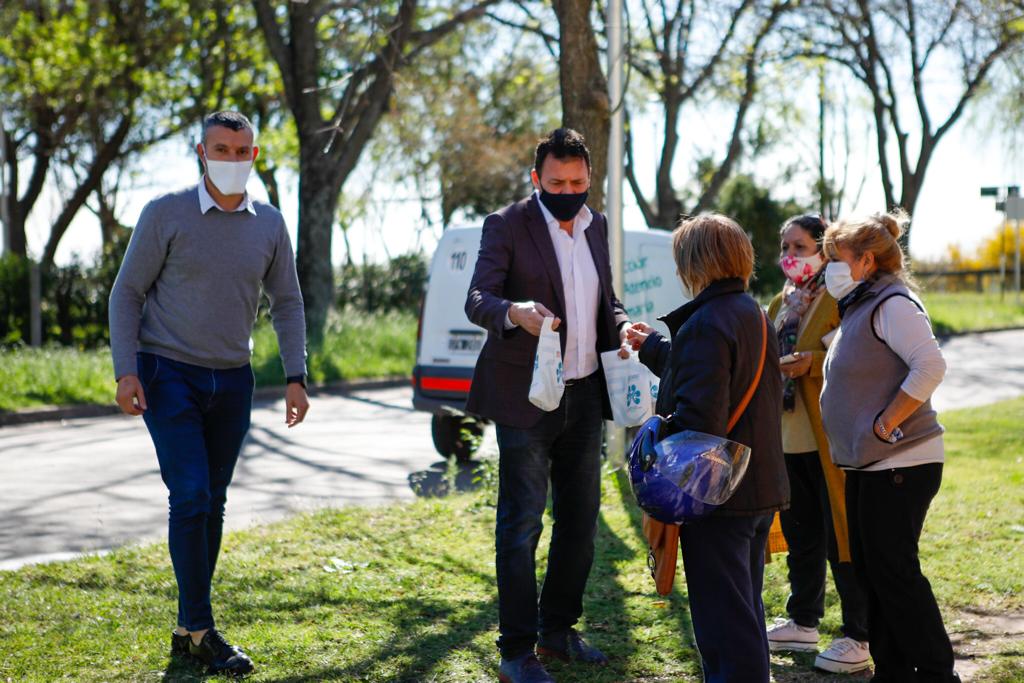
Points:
(426, 632)
(678, 605)
(444, 479)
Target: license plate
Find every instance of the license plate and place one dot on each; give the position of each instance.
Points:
(465, 342)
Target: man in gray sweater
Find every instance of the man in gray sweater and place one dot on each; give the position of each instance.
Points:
(181, 316)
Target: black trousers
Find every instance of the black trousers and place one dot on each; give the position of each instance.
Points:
(565, 447)
(724, 562)
(811, 538)
(886, 511)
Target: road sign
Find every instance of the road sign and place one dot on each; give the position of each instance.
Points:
(1015, 208)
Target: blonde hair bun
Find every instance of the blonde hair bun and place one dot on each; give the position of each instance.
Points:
(878, 233)
(895, 223)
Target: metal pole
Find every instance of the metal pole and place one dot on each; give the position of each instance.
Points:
(616, 142)
(35, 304)
(5, 218)
(1002, 257)
(616, 436)
(1016, 259)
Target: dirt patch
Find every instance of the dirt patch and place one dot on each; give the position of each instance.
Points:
(983, 642)
(984, 639)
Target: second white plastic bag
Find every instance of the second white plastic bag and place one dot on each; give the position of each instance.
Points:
(632, 388)
(548, 384)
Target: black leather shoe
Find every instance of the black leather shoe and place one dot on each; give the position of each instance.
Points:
(219, 655)
(523, 669)
(569, 647)
(179, 645)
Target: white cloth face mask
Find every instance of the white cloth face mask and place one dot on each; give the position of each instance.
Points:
(229, 177)
(838, 279)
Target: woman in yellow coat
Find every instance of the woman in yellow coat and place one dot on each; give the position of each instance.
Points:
(805, 317)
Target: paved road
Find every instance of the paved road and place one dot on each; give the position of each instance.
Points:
(92, 484)
(982, 368)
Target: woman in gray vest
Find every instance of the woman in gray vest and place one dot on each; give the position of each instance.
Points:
(880, 372)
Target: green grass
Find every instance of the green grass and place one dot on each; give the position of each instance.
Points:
(959, 312)
(356, 346)
(406, 592)
(54, 376)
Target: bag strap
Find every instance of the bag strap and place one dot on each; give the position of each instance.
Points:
(757, 377)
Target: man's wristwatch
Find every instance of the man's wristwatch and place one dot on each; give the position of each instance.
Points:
(296, 379)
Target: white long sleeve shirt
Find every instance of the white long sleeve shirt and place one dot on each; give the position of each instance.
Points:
(907, 331)
(581, 288)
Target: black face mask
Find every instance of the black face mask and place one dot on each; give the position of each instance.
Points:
(564, 207)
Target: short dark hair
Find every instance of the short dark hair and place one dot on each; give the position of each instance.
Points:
(227, 119)
(561, 143)
(813, 224)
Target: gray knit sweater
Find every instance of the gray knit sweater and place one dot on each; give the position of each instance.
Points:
(189, 286)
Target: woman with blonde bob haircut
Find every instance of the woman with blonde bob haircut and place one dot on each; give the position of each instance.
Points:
(705, 370)
(880, 372)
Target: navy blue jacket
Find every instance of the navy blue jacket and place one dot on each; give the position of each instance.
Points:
(705, 372)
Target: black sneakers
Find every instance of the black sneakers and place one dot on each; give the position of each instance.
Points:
(179, 644)
(219, 655)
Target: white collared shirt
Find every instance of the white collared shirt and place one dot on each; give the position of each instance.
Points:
(581, 289)
(207, 202)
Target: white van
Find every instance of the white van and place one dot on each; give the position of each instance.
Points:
(448, 344)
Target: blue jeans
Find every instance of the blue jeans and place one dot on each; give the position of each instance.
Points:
(565, 445)
(724, 562)
(198, 418)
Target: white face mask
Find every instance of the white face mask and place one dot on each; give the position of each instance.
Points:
(229, 177)
(838, 279)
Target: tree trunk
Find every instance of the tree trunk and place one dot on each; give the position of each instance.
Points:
(105, 157)
(269, 178)
(670, 208)
(585, 105)
(318, 202)
(16, 221)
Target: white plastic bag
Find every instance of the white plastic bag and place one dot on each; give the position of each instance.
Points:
(548, 384)
(632, 388)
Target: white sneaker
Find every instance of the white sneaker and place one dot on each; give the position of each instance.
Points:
(844, 656)
(789, 635)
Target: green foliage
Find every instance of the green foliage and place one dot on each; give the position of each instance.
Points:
(380, 287)
(74, 298)
(14, 300)
(406, 592)
(467, 120)
(356, 345)
(761, 215)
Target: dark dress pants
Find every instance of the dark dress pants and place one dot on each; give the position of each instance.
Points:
(197, 418)
(887, 511)
(724, 562)
(564, 446)
(811, 538)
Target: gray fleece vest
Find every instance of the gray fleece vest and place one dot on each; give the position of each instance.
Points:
(862, 376)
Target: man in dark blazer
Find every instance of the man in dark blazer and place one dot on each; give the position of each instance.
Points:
(545, 256)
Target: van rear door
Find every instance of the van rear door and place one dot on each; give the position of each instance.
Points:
(449, 344)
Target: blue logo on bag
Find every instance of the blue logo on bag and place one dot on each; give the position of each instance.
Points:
(558, 372)
(633, 395)
(654, 391)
